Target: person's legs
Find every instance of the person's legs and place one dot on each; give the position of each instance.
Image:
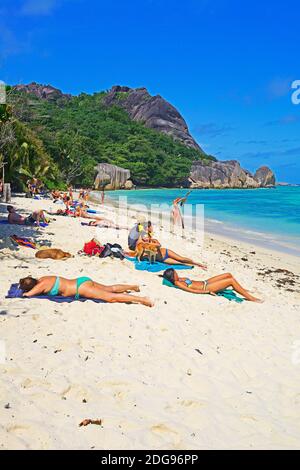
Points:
(217, 286)
(172, 256)
(119, 288)
(92, 291)
(38, 216)
(109, 224)
(220, 277)
(105, 223)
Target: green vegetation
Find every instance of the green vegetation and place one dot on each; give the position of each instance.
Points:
(23, 152)
(61, 141)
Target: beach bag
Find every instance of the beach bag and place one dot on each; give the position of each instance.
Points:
(114, 251)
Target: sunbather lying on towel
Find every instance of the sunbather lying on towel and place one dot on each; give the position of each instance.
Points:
(97, 221)
(17, 219)
(105, 223)
(210, 286)
(84, 287)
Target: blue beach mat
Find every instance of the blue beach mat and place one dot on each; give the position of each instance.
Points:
(155, 267)
(92, 211)
(227, 293)
(16, 293)
(42, 224)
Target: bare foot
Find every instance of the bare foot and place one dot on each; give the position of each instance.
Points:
(202, 266)
(147, 302)
(258, 301)
(133, 289)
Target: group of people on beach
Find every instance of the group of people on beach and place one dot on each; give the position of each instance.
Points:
(140, 235)
(80, 208)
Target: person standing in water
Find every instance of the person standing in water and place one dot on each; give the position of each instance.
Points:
(176, 212)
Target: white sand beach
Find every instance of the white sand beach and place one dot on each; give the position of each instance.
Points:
(193, 372)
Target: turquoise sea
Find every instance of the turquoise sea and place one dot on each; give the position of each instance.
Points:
(269, 217)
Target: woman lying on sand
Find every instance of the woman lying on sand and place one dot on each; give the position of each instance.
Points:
(82, 287)
(96, 220)
(105, 223)
(210, 286)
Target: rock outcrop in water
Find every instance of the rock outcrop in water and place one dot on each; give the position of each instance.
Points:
(265, 176)
(112, 177)
(153, 111)
(228, 174)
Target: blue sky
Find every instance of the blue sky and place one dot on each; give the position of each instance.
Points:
(227, 65)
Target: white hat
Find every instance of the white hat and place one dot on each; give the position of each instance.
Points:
(141, 219)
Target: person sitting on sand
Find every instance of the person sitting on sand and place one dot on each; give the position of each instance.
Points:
(17, 219)
(210, 286)
(82, 287)
(56, 195)
(143, 231)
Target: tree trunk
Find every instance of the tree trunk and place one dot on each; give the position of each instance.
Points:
(7, 192)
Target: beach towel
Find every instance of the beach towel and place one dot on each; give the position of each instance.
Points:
(155, 267)
(92, 248)
(92, 211)
(16, 293)
(26, 242)
(227, 293)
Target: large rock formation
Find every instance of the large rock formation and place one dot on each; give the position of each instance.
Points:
(156, 113)
(153, 111)
(228, 174)
(112, 177)
(265, 176)
(45, 92)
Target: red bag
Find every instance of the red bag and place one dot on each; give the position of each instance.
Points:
(92, 248)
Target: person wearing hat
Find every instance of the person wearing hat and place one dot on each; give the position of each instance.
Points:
(139, 230)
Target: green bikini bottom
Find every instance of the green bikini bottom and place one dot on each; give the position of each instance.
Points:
(79, 281)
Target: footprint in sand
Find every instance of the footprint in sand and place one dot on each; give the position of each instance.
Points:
(17, 429)
(189, 404)
(75, 392)
(28, 383)
(120, 395)
(166, 433)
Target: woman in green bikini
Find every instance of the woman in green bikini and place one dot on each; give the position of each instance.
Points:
(82, 287)
(210, 286)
